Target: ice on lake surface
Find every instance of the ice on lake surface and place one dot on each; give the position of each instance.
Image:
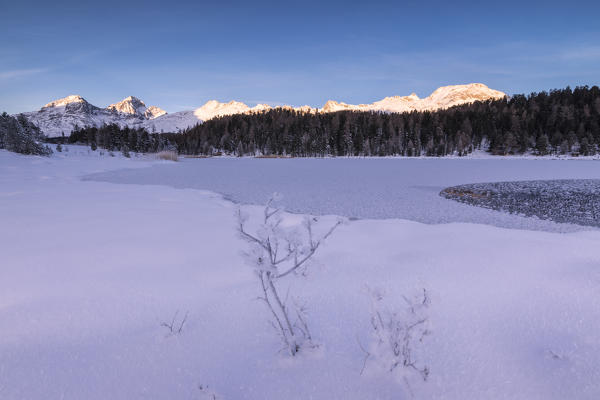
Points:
(563, 200)
(362, 187)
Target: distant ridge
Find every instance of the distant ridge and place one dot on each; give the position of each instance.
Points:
(63, 115)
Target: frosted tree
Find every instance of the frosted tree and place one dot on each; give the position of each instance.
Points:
(20, 136)
(276, 252)
(240, 149)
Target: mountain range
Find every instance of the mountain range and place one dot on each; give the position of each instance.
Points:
(63, 115)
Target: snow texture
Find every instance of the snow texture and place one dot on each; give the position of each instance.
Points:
(91, 270)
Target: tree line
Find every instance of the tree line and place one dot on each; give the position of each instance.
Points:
(17, 134)
(565, 121)
(560, 121)
(114, 138)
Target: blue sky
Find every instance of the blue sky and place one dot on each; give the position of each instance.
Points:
(178, 55)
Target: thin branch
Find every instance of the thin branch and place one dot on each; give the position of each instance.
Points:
(183, 322)
(281, 306)
(313, 249)
(249, 237)
(304, 327)
(266, 298)
(367, 355)
(173, 330)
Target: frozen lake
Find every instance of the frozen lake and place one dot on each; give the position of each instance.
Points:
(362, 188)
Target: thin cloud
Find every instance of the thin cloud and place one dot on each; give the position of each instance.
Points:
(587, 53)
(17, 73)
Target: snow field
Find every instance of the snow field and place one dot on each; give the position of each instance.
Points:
(90, 270)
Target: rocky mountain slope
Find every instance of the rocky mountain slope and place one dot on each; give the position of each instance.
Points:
(63, 115)
(134, 106)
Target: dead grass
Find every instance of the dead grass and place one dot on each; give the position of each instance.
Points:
(167, 155)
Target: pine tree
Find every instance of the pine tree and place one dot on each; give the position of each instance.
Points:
(541, 145)
(20, 136)
(584, 147)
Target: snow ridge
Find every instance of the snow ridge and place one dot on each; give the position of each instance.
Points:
(443, 97)
(66, 100)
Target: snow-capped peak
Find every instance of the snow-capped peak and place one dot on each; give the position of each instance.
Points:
(333, 106)
(64, 114)
(448, 96)
(74, 98)
(134, 106)
(129, 105)
(261, 107)
(154, 112)
(214, 108)
(443, 97)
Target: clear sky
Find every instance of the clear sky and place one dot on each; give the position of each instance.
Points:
(178, 55)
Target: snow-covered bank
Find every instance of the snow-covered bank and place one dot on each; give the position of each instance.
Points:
(90, 270)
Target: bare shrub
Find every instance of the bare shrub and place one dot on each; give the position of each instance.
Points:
(175, 327)
(207, 394)
(276, 252)
(397, 335)
(168, 155)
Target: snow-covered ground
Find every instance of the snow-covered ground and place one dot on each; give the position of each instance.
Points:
(91, 269)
